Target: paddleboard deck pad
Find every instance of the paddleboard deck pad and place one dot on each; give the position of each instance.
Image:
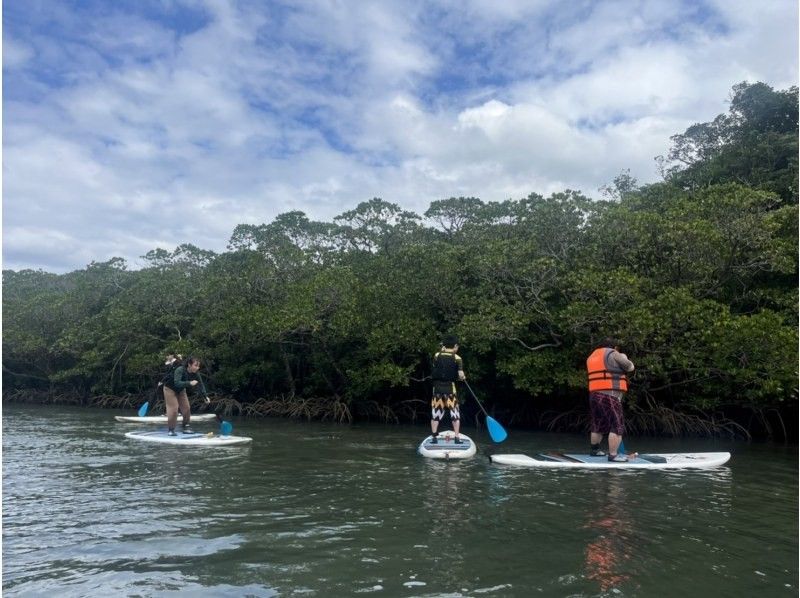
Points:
(648, 461)
(161, 419)
(192, 439)
(446, 448)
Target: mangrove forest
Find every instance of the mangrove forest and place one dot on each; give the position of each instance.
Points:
(696, 274)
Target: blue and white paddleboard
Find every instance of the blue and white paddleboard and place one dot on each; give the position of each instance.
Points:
(192, 439)
(446, 448)
(650, 461)
(161, 419)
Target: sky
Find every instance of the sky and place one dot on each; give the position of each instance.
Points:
(141, 124)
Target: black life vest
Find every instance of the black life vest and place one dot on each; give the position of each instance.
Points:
(169, 378)
(445, 367)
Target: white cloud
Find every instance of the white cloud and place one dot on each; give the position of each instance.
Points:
(15, 53)
(135, 136)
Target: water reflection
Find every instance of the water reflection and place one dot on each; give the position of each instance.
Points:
(445, 499)
(612, 530)
(332, 511)
(447, 504)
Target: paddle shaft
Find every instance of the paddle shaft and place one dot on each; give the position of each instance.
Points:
(474, 397)
(225, 427)
(496, 431)
(202, 387)
(205, 395)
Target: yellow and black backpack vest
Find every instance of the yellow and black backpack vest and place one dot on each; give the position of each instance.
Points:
(445, 367)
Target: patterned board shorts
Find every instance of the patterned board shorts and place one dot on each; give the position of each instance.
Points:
(441, 402)
(606, 414)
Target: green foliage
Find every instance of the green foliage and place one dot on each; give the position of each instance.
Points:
(696, 274)
(755, 144)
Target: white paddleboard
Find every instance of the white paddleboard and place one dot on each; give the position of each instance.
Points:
(446, 448)
(648, 461)
(192, 439)
(161, 419)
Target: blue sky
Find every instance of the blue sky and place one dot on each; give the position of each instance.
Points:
(133, 125)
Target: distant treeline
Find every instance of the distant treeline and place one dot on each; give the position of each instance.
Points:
(696, 274)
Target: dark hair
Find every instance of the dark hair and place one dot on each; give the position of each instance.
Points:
(609, 342)
(450, 341)
(191, 360)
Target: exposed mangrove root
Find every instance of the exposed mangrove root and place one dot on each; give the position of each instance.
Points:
(411, 409)
(42, 397)
(224, 407)
(765, 419)
(297, 408)
(403, 411)
(647, 417)
(370, 410)
(574, 420)
(126, 401)
(652, 419)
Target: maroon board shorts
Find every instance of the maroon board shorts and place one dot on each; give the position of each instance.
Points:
(606, 414)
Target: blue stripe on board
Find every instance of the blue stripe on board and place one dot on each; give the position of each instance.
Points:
(653, 458)
(542, 457)
(445, 446)
(590, 459)
(179, 435)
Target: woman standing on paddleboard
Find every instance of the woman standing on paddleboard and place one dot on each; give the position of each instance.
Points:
(175, 396)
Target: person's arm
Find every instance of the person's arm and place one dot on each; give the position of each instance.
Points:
(622, 361)
(178, 381)
(460, 362)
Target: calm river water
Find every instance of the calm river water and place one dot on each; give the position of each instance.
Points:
(327, 510)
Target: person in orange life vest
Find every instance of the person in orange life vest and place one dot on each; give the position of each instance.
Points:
(448, 368)
(607, 368)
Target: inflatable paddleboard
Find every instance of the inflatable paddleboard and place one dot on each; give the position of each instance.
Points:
(161, 419)
(445, 448)
(651, 461)
(193, 439)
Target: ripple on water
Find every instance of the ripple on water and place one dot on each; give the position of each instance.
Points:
(336, 510)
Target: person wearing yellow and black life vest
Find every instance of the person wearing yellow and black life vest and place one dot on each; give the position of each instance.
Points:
(175, 396)
(448, 368)
(607, 370)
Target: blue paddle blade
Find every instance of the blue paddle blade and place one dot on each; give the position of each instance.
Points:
(496, 431)
(621, 449)
(143, 409)
(225, 428)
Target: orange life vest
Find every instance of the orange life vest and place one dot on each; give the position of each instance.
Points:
(601, 376)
